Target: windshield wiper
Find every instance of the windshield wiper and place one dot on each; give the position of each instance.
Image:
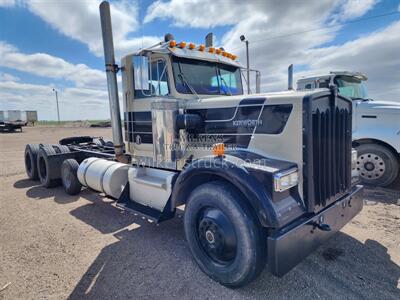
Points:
(191, 89)
(360, 98)
(226, 85)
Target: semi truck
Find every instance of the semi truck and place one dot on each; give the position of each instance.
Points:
(376, 126)
(263, 179)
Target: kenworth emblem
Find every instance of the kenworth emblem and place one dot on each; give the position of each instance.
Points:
(247, 123)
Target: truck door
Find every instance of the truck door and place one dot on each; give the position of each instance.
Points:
(139, 127)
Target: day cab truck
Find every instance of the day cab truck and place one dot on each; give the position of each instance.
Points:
(264, 178)
(376, 126)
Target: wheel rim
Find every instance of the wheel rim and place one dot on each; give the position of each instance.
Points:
(66, 177)
(370, 166)
(216, 235)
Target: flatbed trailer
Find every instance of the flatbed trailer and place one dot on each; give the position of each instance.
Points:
(11, 126)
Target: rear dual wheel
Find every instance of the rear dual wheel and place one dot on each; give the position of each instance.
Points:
(31, 152)
(45, 167)
(224, 235)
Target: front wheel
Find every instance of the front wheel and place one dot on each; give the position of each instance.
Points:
(376, 164)
(224, 235)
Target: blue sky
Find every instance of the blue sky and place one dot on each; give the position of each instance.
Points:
(29, 29)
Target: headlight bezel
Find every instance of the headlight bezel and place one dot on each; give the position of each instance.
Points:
(285, 180)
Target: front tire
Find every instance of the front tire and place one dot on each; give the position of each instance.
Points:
(377, 165)
(224, 235)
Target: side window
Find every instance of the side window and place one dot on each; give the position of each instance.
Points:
(324, 84)
(308, 86)
(158, 80)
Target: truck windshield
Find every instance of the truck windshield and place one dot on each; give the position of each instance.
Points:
(351, 87)
(204, 77)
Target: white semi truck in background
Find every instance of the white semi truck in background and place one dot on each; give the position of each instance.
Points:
(376, 126)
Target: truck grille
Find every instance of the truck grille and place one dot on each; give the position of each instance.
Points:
(329, 175)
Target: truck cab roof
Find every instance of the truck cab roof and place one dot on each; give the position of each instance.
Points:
(192, 51)
(357, 75)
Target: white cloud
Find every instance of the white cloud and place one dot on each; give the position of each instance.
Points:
(86, 100)
(80, 20)
(352, 9)
(198, 14)
(8, 77)
(42, 64)
(7, 3)
(376, 55)
(75, 103)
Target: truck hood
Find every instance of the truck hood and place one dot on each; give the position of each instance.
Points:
(378, 106)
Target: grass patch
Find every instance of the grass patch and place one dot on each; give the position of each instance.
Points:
(84, 123)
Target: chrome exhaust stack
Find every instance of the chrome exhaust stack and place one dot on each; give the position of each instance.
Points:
(290, 78)
(111, 70)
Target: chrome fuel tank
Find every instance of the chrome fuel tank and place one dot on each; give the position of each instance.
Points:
(108, 177)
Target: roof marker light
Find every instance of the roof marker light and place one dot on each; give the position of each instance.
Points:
(182, 44)
(192, 46)
(172, 43)
(202, 47)
(218, 51)
(211, 49)
(233, 57)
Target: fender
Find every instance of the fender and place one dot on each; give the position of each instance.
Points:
(390, 136)
(230, 169)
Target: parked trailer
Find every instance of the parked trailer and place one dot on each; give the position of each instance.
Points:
(12, 120)
(265, 178)
(31, 116)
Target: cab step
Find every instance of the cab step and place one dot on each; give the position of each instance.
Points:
(124, 202)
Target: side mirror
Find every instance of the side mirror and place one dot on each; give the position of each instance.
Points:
(141, 72)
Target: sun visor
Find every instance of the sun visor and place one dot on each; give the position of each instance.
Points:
(203, 55)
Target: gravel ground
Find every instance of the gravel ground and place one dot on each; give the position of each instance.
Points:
(55, 246)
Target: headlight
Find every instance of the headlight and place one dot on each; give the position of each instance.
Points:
(285, 180)
(354, 157)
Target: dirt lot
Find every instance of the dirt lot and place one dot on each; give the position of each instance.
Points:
(58, 246)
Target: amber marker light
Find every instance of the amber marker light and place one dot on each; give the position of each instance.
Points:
(172, 43)
(211, 49)
(182, 44)
(202, 47)
(219, 149)
(218, 51)
(192, 46)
